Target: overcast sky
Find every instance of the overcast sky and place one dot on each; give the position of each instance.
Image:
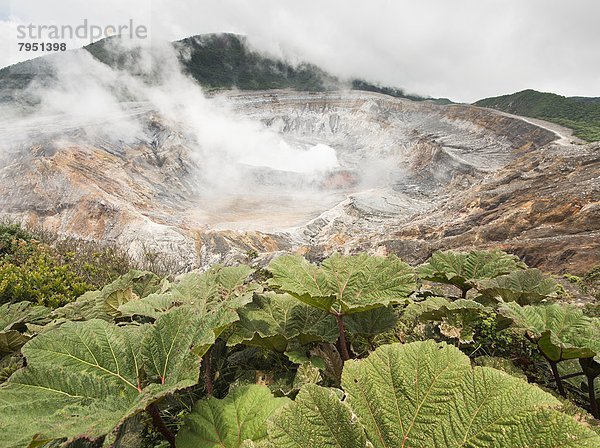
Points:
(462, 49)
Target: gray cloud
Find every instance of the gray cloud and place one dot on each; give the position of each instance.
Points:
(464, 49)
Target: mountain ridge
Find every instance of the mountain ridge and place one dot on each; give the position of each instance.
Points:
(217, 61)
(223, 61)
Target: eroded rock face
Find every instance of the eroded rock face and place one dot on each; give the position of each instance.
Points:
(412, 177)
(544, 206)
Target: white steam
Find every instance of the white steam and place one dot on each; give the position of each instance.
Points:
(318, 158)
(114, 104)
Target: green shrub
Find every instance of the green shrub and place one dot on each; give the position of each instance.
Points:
(96, 264)
(38, 267)
(492, 341)
(591, 283)
(12, 238)
(40, 279)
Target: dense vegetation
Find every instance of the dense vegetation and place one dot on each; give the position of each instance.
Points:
(356, 351)
(577, 113)
(34, 271)
(40, 268)
(224, 61)
(359, 84)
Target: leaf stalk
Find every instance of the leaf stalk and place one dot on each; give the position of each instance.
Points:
(208, 376)
(557, 378)
(339, 317)
(159, 424)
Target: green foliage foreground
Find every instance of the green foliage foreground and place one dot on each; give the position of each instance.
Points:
(144, 349)
(421, 394)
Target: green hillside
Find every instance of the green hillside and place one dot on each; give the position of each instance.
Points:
(359, 84)
(216, 61)
(577, 113)
(223, 61)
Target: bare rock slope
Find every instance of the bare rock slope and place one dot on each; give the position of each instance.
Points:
(412, 177)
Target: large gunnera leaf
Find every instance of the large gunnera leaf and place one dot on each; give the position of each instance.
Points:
(372, 322)
(229, 423)
(561, 331)
(589, 338)
(218, 288)
(14, 318)
(524, 287)
(214, 296)
(85, 378)
(344, 284)
(464, 269)
(104, 304)
(274, 320)
(503, 364)
(317, 418)
(414, 310)
(426, 395)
